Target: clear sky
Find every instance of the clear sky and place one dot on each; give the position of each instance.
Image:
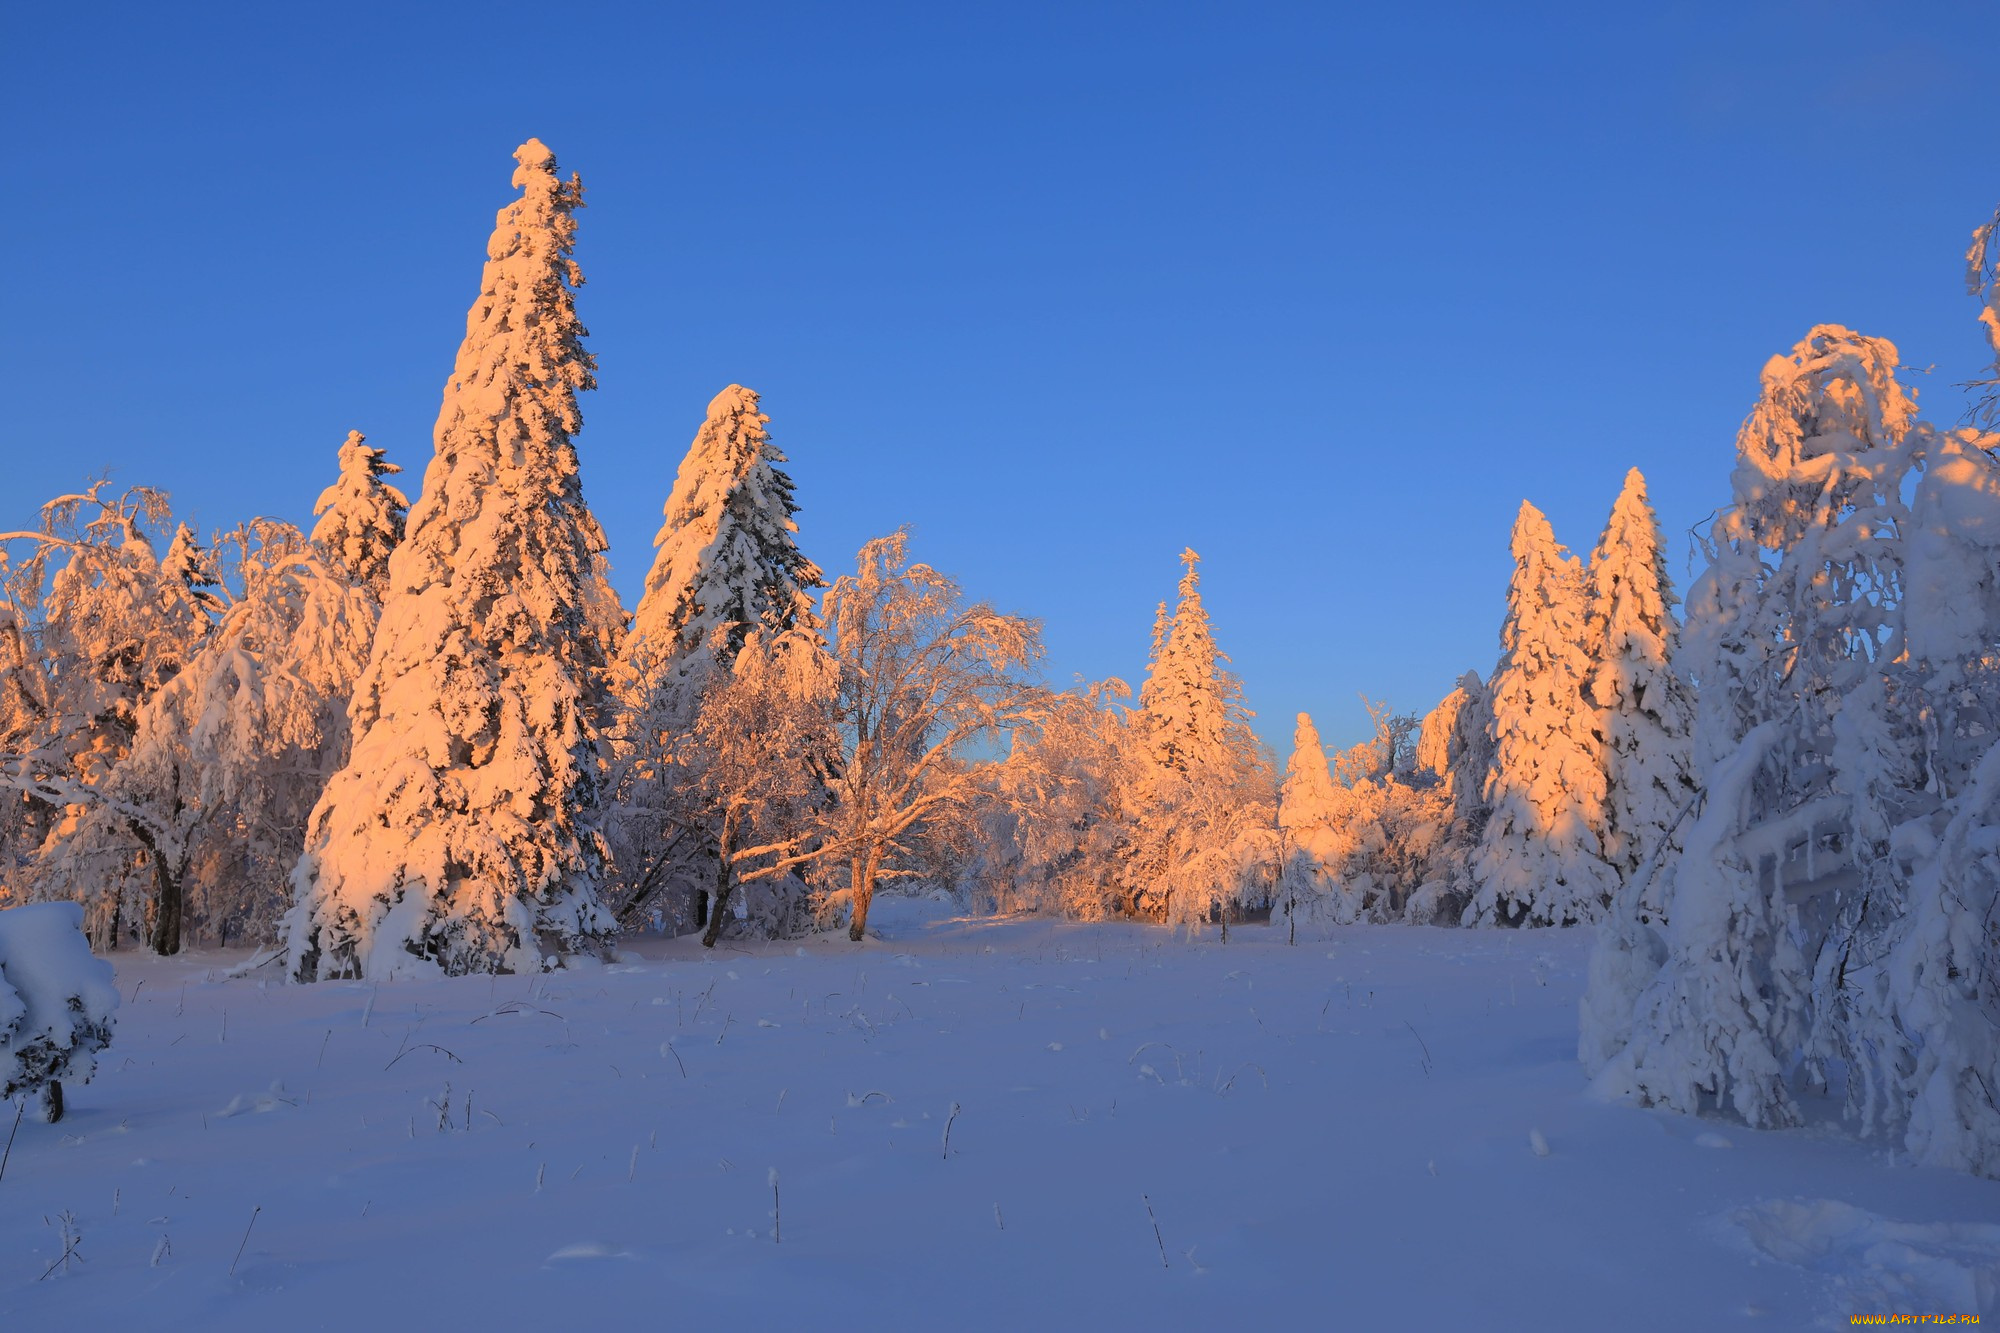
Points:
(1321, 290)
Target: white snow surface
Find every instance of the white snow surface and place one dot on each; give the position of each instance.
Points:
(1346, 1135)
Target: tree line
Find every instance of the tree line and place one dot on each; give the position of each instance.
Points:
(426, 737)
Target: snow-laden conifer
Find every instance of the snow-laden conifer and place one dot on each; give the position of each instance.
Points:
(1802, 747)
(727, 555)
(1305, 801)
(1188, 697)
(726, 565)
(1206, 835)
(1646, 708)
(461, 836)
(1539, 857)
(361, 516)
(1309, 807)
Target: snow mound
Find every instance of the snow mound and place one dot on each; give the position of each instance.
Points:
(1878, 1266)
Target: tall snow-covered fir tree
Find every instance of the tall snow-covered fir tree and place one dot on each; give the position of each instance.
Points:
(1539, 860)
(1187, 697)
(361, 516)
(1646, 708)
(727, 555)
(1206, 833)
(461, 836)
(726, 564)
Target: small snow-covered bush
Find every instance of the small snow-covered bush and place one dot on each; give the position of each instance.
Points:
(56, 1001)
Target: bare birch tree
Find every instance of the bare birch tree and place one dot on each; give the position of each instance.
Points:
(922, 676)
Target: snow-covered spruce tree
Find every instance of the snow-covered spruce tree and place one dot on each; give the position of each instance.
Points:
(727, 556)
(1205, 838)
(726, 565)
(361, 516)
(1539, 859)
(1808, 748)
(1646, 709)
(1309, 888)
(1192, 706)
(461, 835)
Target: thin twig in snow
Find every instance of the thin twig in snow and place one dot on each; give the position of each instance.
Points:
(1156, 1232)
(20, 1110)
(246, 1239)
(1420, 1041)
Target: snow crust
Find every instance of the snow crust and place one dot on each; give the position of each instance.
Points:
(1342, 1140)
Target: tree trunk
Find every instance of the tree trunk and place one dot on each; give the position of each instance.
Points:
(167, 895)
(720, 900)
(862, 876)
(52, 1101)
(167, 928)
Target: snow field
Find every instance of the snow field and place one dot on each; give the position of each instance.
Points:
(1387, 1128)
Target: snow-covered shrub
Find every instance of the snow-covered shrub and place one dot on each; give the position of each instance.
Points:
(56, 1001)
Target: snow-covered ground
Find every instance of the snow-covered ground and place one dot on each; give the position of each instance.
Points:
(1383, 1130)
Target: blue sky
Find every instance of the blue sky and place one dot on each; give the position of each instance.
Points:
(1322, 290)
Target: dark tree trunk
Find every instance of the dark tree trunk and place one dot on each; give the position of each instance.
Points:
(52, 1101)
(167, 925)
(167, 894)
(861, 875)
(726, 851)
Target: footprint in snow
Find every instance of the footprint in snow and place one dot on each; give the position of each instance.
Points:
(588, 1249)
